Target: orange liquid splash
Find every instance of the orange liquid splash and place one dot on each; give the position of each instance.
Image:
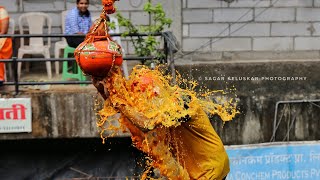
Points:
(150, 93)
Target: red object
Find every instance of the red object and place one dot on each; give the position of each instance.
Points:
(98, 54)
(143, 83)
(97, 57)
(108, 6)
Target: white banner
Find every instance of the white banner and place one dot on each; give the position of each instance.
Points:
(15, 115)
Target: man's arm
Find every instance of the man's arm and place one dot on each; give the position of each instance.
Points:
(137, 118)
(101, 87)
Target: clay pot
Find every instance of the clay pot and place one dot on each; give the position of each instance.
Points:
(97, 57)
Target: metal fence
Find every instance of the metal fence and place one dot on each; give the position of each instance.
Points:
(168, 60)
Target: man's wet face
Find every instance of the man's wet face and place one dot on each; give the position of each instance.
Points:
(83, 6)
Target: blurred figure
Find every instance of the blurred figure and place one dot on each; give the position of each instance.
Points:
(78, 21)
(5, 43)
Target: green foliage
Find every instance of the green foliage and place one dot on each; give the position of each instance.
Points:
(111, 25)
(146, 46)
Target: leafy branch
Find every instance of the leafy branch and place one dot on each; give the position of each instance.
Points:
(146, 46)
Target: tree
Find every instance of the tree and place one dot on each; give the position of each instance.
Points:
(148, 45)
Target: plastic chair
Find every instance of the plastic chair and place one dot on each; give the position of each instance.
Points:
(76, 72)
(12, 26)
(60, 45)
(36, 24)
(73, 71)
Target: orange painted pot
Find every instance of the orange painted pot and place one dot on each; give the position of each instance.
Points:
(96, 58)
(108, 6)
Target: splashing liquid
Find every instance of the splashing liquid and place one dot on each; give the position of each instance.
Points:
(166, 107)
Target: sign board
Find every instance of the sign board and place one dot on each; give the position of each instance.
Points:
(275, 161)
(15, 115)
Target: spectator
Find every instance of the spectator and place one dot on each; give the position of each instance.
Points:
(5, 43)
(78, 21)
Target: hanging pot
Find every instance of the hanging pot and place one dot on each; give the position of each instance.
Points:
(97, 55)
(97, 58)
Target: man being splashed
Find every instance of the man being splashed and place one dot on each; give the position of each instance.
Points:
(166, 122)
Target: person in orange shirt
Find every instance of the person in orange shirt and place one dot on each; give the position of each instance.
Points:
(5, 43)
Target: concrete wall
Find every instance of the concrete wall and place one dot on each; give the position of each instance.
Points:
(61, 114)
(258, 86)
(71, 114)
(242, 29)
(252, 29)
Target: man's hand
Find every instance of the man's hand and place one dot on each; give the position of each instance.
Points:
(101, 87)
(137, 118)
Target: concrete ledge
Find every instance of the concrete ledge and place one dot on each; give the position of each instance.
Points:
(62, 113)
(236, 56)
(254, 84)
(257, 98)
